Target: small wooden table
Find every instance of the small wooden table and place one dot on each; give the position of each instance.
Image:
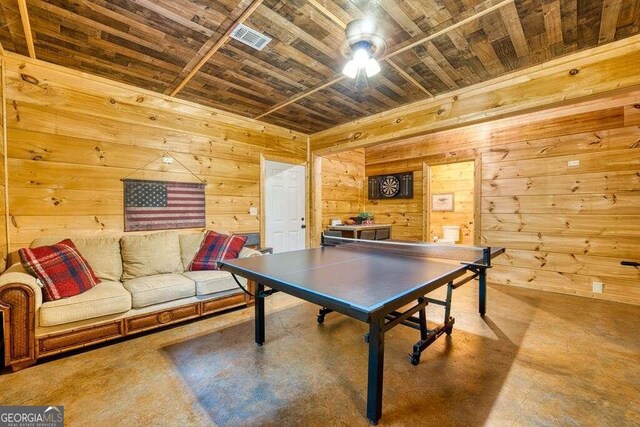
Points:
(354, 231)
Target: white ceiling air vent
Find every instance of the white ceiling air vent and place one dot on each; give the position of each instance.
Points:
(250, 37)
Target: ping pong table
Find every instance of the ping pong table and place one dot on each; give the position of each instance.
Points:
(371, 281)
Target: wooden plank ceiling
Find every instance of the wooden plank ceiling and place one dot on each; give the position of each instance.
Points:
(182, 47)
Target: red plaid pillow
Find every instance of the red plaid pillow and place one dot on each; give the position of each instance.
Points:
(60, 268)
(216, 247)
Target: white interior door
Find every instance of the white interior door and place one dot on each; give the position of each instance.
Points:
(284, 206)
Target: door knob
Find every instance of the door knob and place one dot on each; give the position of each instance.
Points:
(303, 226)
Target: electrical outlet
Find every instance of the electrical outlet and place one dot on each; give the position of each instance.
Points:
(573, 163)
(598, 287)
(253, 211)
(167, 160)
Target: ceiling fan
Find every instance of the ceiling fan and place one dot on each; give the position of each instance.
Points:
(365, 46)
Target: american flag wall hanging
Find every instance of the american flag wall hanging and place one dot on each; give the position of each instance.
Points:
(162, 205)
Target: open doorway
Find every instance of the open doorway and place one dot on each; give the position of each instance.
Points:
(450, 203)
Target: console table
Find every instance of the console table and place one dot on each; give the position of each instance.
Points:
(381, 231)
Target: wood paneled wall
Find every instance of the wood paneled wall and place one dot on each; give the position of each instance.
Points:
(73, 136)
(3, 207)
(401, 213)
(564, 227)
(456, 179)
(343, 185)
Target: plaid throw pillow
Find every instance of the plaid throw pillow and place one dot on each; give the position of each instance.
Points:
(60, 268)
(216, 247)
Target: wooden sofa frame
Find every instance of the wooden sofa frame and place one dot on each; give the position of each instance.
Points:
(22, 348)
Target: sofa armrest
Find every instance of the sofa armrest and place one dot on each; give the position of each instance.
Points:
(17, 275)
(248, 252)
(20, 297)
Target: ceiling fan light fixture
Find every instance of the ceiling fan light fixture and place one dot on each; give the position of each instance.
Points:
(361, 57)
(366, 46)
(350, 69)
(372, 67)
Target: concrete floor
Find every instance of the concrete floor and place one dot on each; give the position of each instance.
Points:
(535, 359)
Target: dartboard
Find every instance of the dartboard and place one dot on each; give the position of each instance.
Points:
(389, 186)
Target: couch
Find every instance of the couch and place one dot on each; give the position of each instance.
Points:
(145, 284)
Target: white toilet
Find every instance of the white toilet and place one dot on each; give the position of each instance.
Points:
(450, 234)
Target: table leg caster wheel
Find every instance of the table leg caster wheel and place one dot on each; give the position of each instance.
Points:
(320, 319)
(415, 359)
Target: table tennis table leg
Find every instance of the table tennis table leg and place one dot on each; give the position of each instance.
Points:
(482, 294)
(259, 317)
(376, 366)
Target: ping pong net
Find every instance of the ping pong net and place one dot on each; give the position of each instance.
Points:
(468, 255)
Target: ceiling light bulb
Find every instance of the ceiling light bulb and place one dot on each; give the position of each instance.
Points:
(350, 70)
(372, 67)
(360, 57)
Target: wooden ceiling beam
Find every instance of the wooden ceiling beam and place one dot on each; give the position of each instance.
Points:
(418, 40)
(26, 25)
(490, 6)
(303, 94)
(328, 13)
(409, 78)
(218, 44)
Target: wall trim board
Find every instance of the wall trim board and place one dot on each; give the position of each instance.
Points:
(477, 200)
(601, 70)
(5, 154)
(426, 203)
(316, 200)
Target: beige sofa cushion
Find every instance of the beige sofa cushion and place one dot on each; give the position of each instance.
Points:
(149, 254)
(107, 297)
(159, 288)
(189, 245)
(212, 281)
(102, 253)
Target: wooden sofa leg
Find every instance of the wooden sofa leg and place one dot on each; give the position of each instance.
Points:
(17, 304)
(22, 365)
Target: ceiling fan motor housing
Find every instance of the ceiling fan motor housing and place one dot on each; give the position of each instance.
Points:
(364, 34)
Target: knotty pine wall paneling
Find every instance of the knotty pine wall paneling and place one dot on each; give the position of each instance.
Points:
(343, 186)
(564, 226)
(4, 244)
(402, 214)
(73, 136)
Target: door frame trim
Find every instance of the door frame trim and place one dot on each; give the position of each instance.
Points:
(263, 182)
